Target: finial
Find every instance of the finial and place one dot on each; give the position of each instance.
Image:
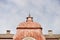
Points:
(29, 18)
(29, 15)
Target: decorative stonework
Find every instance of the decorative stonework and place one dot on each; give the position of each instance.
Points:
(29, 30)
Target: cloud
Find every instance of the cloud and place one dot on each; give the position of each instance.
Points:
(20, 3)
(57, 24)
(46, 12)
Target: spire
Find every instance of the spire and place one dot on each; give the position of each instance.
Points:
(29, 18)
(29, 15)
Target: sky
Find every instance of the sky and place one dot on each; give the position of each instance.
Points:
(45, 12)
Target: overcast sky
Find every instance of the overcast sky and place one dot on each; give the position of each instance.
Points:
(45, 12)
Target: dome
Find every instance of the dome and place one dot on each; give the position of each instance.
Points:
(29, 30)
(29, 24)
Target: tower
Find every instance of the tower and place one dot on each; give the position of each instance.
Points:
(29, 30)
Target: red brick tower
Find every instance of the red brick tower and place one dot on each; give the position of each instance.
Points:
(29, 30)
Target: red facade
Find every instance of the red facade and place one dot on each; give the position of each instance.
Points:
(29, 30)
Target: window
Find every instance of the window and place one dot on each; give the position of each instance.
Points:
(28, 38)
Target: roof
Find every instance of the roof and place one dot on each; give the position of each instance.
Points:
(6, 36)
(52, 36)
(29, 23)
(46, 36)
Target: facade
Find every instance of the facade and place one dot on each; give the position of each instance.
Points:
(6, 36)
(29, 30)
(49, 36)
(52, 36)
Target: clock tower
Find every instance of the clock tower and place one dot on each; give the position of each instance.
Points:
(29, 30)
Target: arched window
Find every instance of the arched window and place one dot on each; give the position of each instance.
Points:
(28, 38)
